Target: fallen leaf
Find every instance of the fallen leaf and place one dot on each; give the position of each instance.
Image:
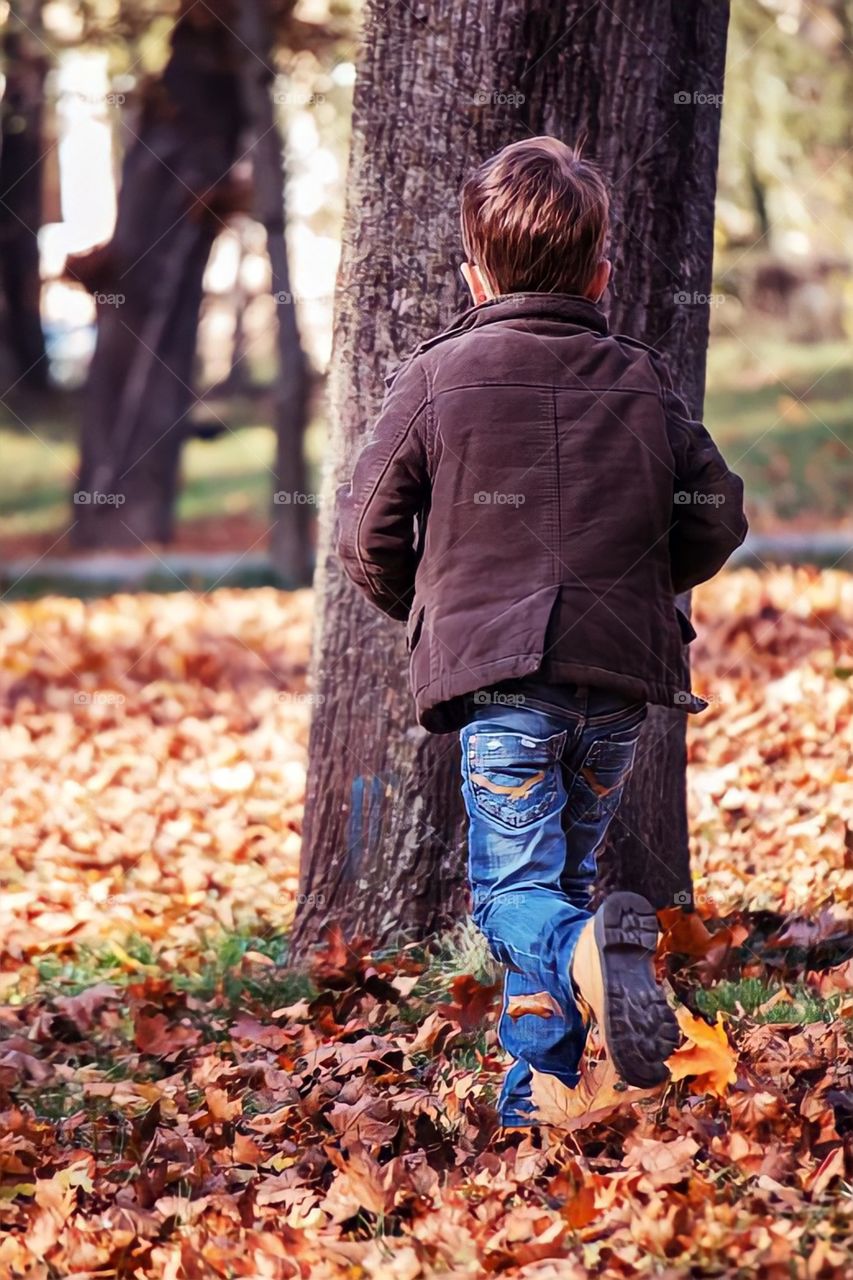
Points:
(707, 1058)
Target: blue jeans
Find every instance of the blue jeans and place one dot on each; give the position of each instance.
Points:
(541, 785)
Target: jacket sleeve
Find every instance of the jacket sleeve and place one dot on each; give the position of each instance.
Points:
(387, 495)
(708, 521)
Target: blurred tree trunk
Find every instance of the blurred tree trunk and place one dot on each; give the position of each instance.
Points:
(439, 89)
(21, 160)
(291, 529)
(176, 190)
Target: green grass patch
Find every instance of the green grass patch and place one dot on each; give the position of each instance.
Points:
(751, 997)
(223, 971)
(461, 950)
(230, 475)
(783, 416)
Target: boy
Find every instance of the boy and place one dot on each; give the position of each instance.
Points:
(533, 498)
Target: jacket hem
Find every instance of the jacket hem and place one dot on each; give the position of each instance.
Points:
(441, 704)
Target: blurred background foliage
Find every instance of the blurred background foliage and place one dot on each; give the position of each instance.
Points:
(780, 396)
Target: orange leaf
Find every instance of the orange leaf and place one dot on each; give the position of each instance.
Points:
(707, 1057)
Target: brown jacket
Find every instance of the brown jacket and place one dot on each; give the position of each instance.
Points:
(532, 498)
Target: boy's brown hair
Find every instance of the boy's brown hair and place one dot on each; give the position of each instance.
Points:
(535, 218)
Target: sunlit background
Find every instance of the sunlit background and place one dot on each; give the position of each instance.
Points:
(779, 397)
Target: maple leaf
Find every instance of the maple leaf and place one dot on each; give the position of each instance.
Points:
(471, 1001)
(598, 1094)
(339, 962)
(686, 934)
(707, 1058)
(368, 1120)
(662, 1163)
(155, 1035)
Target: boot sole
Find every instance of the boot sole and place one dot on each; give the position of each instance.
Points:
(640, 1029)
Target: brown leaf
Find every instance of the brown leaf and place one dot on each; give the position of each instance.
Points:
(471, 1002)
(155, 1035)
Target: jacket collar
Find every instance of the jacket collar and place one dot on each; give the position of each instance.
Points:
(565, 307)
(524, 306)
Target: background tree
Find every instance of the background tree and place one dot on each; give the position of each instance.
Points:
(291, 530)
(207, 143)
(439, 89)
(177, 187)
(25, 65)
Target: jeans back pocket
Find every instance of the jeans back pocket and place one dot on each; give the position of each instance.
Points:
(513, 777)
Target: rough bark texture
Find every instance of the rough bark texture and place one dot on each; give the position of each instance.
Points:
(175, 192)
(441, 86)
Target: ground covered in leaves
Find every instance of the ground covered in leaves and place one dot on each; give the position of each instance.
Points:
(176, 1102)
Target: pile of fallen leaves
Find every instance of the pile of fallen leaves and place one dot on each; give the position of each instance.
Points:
(174, 1104)
(771, 782)
(152, 765)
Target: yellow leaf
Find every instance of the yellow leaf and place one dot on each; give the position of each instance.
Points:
(280, 1162)
(707, 1057)
(128, 962)
(12, 1190)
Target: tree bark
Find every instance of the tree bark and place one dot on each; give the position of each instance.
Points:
(176, 189)
(441, 86)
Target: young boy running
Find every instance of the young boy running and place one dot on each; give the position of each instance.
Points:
(533, 497)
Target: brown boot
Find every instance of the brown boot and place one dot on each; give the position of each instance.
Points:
(613, 973)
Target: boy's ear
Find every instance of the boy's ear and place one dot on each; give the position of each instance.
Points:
(600, 280)
(479, 288)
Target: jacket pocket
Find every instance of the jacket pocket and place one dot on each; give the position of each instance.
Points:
(685, 626)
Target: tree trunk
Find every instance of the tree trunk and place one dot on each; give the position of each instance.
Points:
(176, 189)
(442, 86)
(291, 522)
(21, 158)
